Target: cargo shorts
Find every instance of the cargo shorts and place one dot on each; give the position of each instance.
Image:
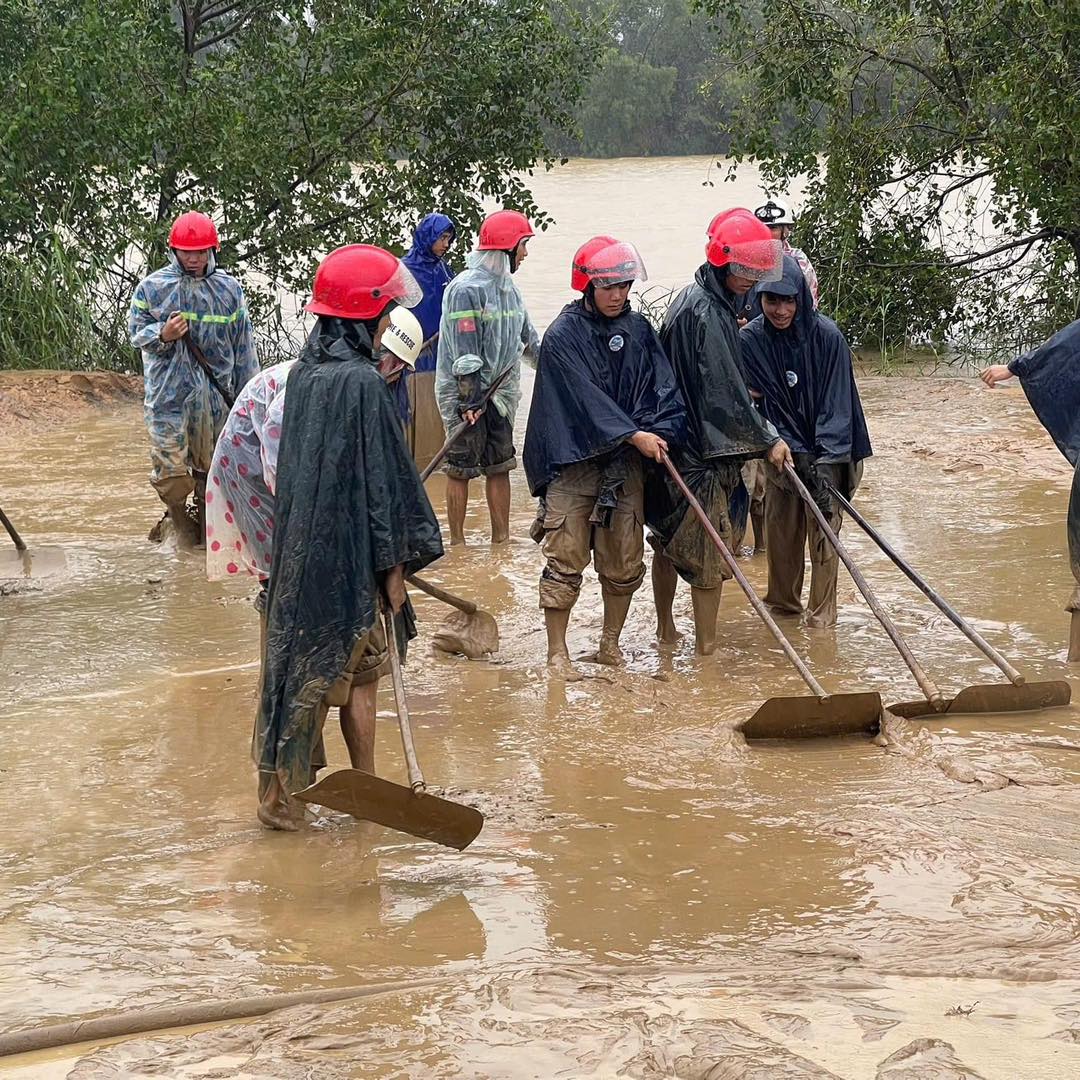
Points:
(569, 537)
(485, 448)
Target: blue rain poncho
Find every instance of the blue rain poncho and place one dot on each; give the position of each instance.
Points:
(1050, 376)
(432, 275)
(598, 381)
(184, 413)
(484, 329)
(805, 377)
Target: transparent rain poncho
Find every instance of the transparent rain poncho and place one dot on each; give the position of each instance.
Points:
(243, 479)
(183, 412)
(484, 329)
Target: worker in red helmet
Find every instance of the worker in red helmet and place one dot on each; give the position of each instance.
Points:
(190, 322)
(483, 332)
(351, 520)
(605, 402)
(700, 333)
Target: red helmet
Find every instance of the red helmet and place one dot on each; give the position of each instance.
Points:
(193, 232)
(503, 231)
(603, 260)
(358, 281)
(737, 239)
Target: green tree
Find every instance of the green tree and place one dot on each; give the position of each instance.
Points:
(941, 143)
(299, 124)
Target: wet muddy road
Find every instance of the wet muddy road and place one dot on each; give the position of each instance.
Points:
(649, 897)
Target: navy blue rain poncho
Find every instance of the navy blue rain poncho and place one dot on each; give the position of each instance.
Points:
(432, 275)
(349, 507)
(1050, 376)
(805, 377)
(598, 382)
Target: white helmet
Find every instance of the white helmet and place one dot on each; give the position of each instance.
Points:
(775, 212)
(403, 336)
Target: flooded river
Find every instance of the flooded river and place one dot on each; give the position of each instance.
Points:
(649, 897)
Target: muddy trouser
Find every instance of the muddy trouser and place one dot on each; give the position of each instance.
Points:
(370, 660)
(753, 477)
(788, 525)
(569, 536)
(690, 549)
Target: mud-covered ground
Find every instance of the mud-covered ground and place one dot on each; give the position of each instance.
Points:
(649, 897)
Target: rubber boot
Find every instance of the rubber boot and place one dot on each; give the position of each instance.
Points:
(187, 529)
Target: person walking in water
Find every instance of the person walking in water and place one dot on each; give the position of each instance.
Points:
(701, 336)
(483, 332)
(351, 520)
(1050, 378)
(186, 315)
(799, 365)
(427, 263)
(605, 401)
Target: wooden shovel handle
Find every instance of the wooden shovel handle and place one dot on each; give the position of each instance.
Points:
(458, 602)
(16, 539)
(755, 602)
(919, 582)
(416, 777)
(926, 685)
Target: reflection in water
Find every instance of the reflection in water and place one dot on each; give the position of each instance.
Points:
(648, 894)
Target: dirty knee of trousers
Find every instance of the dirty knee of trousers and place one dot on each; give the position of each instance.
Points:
(621, 588)
(559, 591)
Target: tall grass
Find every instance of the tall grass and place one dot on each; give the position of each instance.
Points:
(58, 312)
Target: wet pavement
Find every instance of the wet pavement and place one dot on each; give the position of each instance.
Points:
(649, 897)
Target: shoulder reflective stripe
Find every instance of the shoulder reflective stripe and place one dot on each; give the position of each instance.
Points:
(142, 305)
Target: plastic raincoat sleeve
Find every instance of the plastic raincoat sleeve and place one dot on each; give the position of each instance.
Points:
(144, 327)
(245, 356)
(1050, 376)
(461, 343)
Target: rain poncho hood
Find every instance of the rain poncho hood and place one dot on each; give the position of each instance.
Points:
(432, 275)
(184, 413)
(805, 377)
(243, 478)
(598, 381)
(484, 329)
(349, 507)
(1050, 376)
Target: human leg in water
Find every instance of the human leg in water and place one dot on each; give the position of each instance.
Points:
(706, 607)
(664, 582)
(358, 725)
(556, 621)
(274, 810)
(498, 500)
(457, 502)
(616, 608)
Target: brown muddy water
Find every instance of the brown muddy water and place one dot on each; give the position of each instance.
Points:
(649, 897)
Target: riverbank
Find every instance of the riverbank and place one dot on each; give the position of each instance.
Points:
(33, 397)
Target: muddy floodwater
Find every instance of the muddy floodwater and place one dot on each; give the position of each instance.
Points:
(650, 897)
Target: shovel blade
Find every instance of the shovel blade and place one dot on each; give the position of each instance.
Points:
(994, 698)
(474, 636)
(371, 798)
(809, 718)
(34, 562)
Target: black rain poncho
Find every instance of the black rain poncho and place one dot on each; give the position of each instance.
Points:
(598, 381)
(350, 506)
(701, 337)
(1050, 376)
(806, 380)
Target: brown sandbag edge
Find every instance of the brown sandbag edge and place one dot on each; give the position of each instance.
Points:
(120, 1025)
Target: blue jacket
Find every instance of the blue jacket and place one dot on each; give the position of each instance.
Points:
(432, 275)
